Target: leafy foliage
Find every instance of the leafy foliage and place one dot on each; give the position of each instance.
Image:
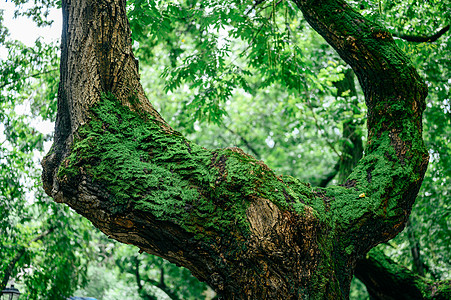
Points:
(119, 271)
(42, 243)
(38, 11)
(216, 47)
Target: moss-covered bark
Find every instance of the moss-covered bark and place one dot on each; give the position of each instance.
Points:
(390, 174)
(247, 232)
(147, 169)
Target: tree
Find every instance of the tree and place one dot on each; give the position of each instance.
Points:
(224, 215)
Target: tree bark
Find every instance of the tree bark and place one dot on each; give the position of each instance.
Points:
(247, 232)
(382, 276)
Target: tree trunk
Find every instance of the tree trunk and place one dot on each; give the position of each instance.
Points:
(247, 232)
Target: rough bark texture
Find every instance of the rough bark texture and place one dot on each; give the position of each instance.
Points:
(385, 280)
(222, 214)
(383, 277)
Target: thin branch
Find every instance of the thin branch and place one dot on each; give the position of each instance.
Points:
(328, 178)
(422, 39)
(226, 142)
(258, 31)
(162, 284)
(137, 275)
(171, 294)
(141, 291)
(257, 2)
(159, 284)
(29, 76)
(244, 140)
(419, 265)
(9, 269)
(269, 5)
(309, 104)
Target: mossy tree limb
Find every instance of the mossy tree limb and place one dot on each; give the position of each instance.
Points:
(391, 172)
(247, 232)
(384, 279)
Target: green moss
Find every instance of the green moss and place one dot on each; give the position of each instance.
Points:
(143, 167)
(376, 185)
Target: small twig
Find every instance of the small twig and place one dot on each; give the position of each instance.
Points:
(328, 177)
(309, 104)
(257, 2)
(265, 7)
(321, 129)
(244, 140)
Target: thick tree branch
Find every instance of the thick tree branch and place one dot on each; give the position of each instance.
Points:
(386, 280)
(394, 95)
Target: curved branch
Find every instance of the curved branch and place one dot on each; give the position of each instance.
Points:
(116, 162)
(389, 176)
(422, 39)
